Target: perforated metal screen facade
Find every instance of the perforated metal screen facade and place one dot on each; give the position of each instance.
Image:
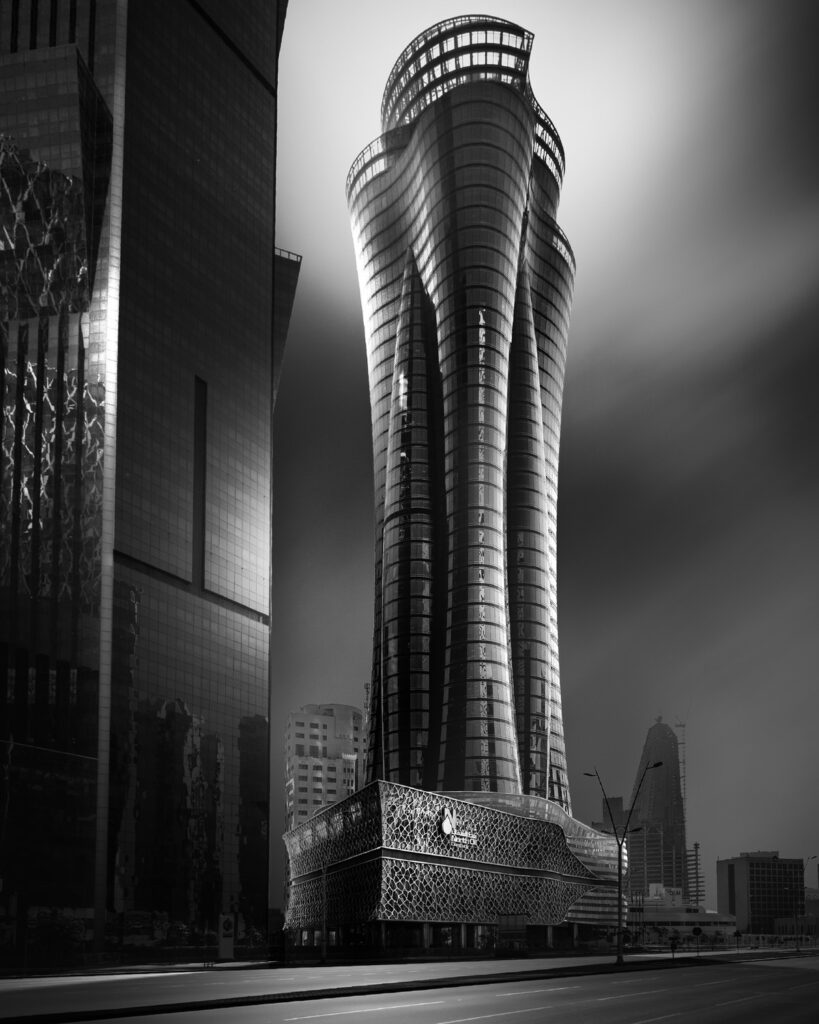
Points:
(393, 853)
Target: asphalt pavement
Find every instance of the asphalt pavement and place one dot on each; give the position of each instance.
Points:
(123, 995)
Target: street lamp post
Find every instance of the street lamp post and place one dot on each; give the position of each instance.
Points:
(620, 838)
(807, 861)
(324, 912)
(799, 896)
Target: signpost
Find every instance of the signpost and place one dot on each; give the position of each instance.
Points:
(227, 929)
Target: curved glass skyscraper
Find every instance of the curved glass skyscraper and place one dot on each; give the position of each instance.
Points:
(466, 282)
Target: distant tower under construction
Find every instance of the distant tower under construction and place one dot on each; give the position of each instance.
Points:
(657, 853)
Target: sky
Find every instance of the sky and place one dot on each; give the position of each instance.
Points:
(688, 516)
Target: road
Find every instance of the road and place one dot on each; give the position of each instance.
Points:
(782, 992)
(91, 992)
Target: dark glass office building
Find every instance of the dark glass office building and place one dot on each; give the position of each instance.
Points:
(466, 281)
(138, 360)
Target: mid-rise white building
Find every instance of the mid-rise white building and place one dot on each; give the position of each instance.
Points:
(324, 756)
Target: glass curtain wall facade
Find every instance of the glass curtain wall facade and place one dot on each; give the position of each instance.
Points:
(59, 172)
(137, 263)
(466, 282)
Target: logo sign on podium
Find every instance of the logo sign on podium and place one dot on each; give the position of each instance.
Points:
(448, 824)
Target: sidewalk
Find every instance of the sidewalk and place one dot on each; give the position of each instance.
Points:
(74, 998)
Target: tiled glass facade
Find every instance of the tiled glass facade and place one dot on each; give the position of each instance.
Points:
(55, 168)
(466, 282)
(138, 384)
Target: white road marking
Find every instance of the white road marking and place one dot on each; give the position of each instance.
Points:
(628, 995)
(371, 1009)
(487, 1016)
(762, 995)
(653, 1020)
(533, 991)
(745, 999)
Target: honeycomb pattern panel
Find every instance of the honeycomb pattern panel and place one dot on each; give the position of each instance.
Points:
(352, 896)
(418, 891)
(433, 823)
(346, 829)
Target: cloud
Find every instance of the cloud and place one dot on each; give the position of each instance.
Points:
(687, 587)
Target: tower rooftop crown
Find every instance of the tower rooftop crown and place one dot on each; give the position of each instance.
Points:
(450, 53)
(460, 50)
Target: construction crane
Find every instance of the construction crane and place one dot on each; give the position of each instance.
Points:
(680, 727)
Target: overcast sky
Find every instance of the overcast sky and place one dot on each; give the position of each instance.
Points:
(688, 524)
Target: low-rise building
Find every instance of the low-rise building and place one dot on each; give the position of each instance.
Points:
(760, 887)
(663, 916)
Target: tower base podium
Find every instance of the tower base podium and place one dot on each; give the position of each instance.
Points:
(391, 860)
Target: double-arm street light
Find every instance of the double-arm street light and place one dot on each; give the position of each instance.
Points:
(620, 837)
